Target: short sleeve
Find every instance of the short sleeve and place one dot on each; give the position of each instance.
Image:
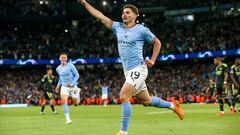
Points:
(225, 68)
(148, 35)
(115, 25)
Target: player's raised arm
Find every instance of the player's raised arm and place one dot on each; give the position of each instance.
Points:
(110, 84)
(99, 83)
(97, 14)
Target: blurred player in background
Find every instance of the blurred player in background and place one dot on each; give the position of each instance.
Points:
(68, 77)
(131, 38)
(221, 84)
(235, 82)
(104, 88)
(47, 85)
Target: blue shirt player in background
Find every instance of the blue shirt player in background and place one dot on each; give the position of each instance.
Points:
(105, 89)
(131, 38)
(68, 77)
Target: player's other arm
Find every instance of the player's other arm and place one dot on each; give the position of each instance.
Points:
(97, 14)
(225, 79)
(59, 83)
(156, 50)
(232, 77)
(41, 83)
(99, 83)
(110, 84)
(76, 76)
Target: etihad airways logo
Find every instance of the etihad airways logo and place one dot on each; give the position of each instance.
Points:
(126, 43)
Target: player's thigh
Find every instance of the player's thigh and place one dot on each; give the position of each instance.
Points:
(220, 92)
(44, 101)
(64, 98)
(136, 77)
(127, 92)
(144, 97)
(75, 92)
(75, 101)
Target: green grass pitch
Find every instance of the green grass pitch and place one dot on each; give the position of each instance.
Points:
(99, 120)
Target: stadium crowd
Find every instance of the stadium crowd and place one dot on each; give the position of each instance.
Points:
(32, 7)
(56, 7)
(47, 41)
(21, 86)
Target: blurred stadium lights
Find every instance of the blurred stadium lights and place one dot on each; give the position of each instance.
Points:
(104, 3)
(143, 15)
(46, 2)
(75, 23)
(115, 2)
(41, 2)
(66, 30)
(125, 0)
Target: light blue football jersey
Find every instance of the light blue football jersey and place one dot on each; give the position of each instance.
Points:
(130, 43)
(68, 74)
(104, 90)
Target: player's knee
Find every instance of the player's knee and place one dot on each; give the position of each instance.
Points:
(124, 99)
(146, 103)
(44, 103)
(64, 101)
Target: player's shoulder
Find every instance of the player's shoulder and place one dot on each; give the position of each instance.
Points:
(233, 66)
(117, 24)
(142, 28)
(58, 67)
(70, 65)
(224, 65)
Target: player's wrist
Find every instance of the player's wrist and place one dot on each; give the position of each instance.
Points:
(83, 3)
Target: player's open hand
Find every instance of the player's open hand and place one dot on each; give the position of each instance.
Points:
(149, 63)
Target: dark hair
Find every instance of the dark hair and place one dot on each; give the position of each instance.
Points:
(48, 67)
(63, 53)
(132, 7)
(219, 58)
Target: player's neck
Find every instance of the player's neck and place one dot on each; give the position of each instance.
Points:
(63, 64)
(220, 63)
(129, 25)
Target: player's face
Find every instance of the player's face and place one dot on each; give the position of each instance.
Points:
(238, 61)
(216, 61)
(49, 71)
(63, 59)
(128, 15)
